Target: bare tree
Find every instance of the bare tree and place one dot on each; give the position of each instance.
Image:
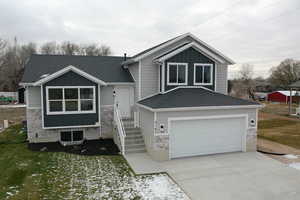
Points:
(243, 85)
(105, 50)
(49, 48)
(68, 48)
(287, 72)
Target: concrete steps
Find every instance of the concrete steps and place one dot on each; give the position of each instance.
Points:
(134, 141)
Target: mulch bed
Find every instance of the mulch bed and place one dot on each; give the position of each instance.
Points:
(88, 147)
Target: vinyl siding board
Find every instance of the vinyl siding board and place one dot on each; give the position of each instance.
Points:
(221, 78)
(190, 56)
(134, 71)
(162, 117)
(70, 79)
(106, 96)
(149, 79)
(34, 96)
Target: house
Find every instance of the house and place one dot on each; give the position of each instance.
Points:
(283, 96)
(169, 100)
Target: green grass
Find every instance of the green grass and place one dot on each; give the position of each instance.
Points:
(273, 123)
(28, 175)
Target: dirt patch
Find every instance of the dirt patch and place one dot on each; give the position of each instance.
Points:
(14, 115)
(269, 146)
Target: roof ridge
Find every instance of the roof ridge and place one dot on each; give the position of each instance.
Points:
(36, 54)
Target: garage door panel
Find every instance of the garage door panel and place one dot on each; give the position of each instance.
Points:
(206, 136)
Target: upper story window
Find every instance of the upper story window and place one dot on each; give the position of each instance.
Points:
(177, 73)
(203, 74)
(70, 99)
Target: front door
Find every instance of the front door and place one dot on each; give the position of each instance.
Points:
(124, 97)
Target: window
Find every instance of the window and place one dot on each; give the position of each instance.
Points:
(203, 74)
(177, 73)
(70, 100)
(71, 136)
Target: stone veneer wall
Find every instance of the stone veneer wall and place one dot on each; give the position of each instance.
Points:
(37, 134)
(107, 117)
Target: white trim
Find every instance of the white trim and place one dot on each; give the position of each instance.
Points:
(72, 142)
(63, 100)
(132, 76)
(120, 83)
(178, 39)
(99, 110)
(163, 77)
(215, 81)
(203, 65)
(159, 77)
(26, 97)
(66, 127)
(140, 79)
(168, 73)
(197, 47)
(154, 123)
(42, 105)
(197, 108)
(65, 70)
(187, 86)
(25, 84)
(244, 142)
(33, 108)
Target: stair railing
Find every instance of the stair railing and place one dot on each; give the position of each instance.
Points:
(120, 128)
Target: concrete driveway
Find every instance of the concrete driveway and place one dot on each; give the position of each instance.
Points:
(240, 176)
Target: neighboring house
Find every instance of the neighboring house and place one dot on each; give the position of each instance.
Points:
(170, 100)
(283, 96)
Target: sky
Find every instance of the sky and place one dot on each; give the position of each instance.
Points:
(258, 32)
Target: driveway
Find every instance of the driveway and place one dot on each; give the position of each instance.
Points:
(240, 176)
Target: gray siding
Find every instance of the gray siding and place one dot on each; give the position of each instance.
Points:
(221, 78)
(70, 79)
(34, 96)
(147, 126)
(149, 81)
(190, 56)
(162, 117)
(106, 95)
(134, 71)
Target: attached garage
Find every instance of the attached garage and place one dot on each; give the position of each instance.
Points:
(206, 135)
(195, 121)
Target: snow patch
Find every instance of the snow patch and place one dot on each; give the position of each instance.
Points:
(295, 165)
(290, 156)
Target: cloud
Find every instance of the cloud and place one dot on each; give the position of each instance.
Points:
(259, 32)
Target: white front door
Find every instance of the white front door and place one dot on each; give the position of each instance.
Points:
(125, 99)
(207, 136)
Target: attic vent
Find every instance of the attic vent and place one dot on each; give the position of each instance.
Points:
(44, 75)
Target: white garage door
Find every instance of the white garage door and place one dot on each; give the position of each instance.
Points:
(201, 136)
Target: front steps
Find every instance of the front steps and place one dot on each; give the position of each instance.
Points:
(134, 141)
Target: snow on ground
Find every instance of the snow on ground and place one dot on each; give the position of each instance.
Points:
(103, 177)
(295, 165)
(290, 156)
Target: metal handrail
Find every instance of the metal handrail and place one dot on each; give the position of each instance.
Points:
(120, 128)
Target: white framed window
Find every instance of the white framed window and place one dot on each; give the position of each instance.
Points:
(70, 99)
(177, 73)
(203, 74)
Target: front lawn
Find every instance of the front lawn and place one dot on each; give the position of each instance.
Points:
(44, 175)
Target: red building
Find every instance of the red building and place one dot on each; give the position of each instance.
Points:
(283, 96)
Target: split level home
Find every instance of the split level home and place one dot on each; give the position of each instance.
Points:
(169, 100)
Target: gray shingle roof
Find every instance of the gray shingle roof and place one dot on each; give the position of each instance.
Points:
(105, 68)
(192, 97)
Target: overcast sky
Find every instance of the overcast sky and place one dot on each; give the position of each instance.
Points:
(260, 32)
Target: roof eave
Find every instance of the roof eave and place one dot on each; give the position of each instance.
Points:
(200, 108)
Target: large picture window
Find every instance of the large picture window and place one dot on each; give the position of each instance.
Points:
(177, 73)
(70, 100)
(203, 74)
